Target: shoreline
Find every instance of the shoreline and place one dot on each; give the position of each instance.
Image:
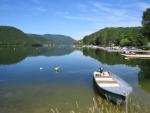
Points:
(115, 49)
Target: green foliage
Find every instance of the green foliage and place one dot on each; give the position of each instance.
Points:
(12, 36)
(125, 42)
(130, 36)
(49, 39)
(146, 23)
(59, 39)
(40, 40)
(146, 48)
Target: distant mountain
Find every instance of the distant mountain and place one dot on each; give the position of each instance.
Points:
(40, 40)
(55, 39)
(60, 39)
(13, 36)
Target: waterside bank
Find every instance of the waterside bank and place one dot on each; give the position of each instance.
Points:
(116, 49)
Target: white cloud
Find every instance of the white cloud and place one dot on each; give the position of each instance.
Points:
(107, 8)
(142, 5)
(138, 5)
(111, 15)
(79, 16)
(62, 13)
(101, 15)
(41, 9)
(82, 7)
(83, 18)
(102, 7)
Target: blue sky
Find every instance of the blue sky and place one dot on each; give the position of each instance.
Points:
(75, 18)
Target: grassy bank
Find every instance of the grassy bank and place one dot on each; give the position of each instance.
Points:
(103, 106)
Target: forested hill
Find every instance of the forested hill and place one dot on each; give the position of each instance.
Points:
(60, 39)
(40, 40)
(13, 36)
(128, 36)
(55, 39)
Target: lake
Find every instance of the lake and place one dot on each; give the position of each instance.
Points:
(24, 88)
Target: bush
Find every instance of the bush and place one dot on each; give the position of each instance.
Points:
(146, 48)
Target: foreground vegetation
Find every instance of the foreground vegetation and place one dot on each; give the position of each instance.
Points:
(104, 106)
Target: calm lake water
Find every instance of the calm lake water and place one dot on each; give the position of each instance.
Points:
(24, 88)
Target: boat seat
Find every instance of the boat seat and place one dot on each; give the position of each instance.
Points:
(104, 79)
(98, 76)
(102, 74)
(107, 82)
(108, 85)
(105, 74)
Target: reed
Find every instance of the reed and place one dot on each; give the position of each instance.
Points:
(103, 106)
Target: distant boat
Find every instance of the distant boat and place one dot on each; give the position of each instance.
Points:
(111, 86)
(136, 55)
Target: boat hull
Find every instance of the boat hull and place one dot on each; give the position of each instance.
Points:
(136, 56)
(116, 98)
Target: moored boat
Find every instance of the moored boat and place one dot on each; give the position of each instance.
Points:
(136, 55)
(111, 86)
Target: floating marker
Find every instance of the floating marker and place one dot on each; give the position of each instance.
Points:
(56, 69)
(41, 68)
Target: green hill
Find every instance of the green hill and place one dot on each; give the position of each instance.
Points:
(13, 36)
(52, 39)
(60, 39)
(40, 40)
(129, 36)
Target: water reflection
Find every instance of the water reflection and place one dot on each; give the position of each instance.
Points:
(24, 88)
(117, 59)
(144, 75)
(134, 71)
(12, 55)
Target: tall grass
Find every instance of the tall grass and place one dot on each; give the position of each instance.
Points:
(104, 106)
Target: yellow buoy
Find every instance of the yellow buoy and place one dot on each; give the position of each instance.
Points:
(56, 69)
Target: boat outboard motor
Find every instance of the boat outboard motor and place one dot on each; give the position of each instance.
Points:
(101, 70)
